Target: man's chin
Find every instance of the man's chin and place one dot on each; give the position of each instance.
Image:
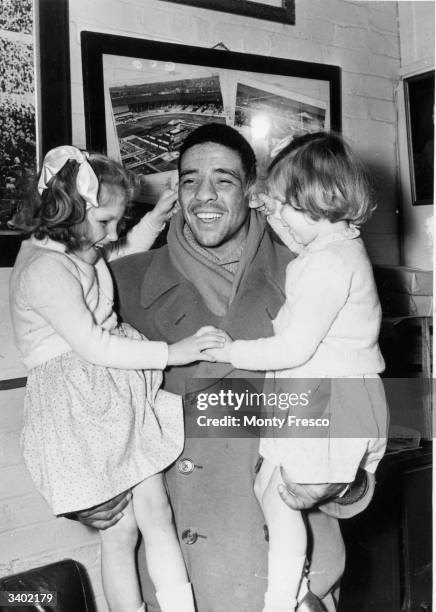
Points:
(207, 237)
(208, 242)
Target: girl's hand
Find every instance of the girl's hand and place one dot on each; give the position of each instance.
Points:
(165, 208)
(264, 203)
(222, 354)
(192, 348)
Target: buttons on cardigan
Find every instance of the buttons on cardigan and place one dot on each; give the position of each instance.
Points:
(186, 466)
(190, 537)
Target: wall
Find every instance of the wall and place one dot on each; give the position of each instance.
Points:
(362, 38)
(417, 43)
(29, 535)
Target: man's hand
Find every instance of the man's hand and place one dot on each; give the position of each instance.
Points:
(107, 514)
(304, 496)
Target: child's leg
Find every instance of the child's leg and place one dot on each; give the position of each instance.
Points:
(118, 567)
(287, 542)
(164, 558)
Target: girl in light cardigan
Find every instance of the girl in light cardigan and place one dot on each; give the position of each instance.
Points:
(95, 423)
(326, 336)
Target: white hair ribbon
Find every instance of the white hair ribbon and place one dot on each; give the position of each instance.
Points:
(86, 180)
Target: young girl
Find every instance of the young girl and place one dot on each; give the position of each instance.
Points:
(95, 424)
(327, 328)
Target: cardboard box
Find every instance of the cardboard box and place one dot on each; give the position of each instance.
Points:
(403, 279)
(396, 304)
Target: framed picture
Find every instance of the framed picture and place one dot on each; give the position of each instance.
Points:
(420, 101)
(282, 11)
(143, 97)
(20, 141)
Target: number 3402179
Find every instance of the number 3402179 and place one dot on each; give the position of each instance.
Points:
(20, 598)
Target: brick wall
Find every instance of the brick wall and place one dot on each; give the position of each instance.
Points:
(29, 534)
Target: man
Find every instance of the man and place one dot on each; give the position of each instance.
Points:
(220, 267)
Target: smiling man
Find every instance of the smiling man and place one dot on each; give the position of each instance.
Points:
(213, 181)
(220, 267)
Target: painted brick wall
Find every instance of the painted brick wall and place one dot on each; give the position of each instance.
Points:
(29, 535)
(362, 38)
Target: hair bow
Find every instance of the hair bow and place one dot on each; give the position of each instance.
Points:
(86, 180)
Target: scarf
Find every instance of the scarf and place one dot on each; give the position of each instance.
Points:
(217, 280)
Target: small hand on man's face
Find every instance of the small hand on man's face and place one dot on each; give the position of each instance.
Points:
(212, 195)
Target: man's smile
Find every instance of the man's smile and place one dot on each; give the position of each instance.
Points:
(208, 217)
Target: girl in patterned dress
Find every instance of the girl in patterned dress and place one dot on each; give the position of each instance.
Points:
(96, 422)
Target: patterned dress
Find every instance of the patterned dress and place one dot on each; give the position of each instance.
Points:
(91, 430)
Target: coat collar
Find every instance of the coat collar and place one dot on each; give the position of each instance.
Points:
(161, 276)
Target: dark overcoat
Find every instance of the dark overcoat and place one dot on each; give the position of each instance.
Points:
(218, 519)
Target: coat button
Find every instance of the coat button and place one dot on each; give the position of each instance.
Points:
(190, 537)
(185, 465)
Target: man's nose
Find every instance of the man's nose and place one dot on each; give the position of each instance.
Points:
(206, 191)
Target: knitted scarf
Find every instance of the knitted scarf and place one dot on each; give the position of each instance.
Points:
(216, 280)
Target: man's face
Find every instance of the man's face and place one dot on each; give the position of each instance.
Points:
(212, 194)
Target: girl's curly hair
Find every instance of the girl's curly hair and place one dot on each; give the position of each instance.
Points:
(59, 212)
(320, 174)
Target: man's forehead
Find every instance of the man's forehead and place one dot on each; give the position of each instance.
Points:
(211, 155)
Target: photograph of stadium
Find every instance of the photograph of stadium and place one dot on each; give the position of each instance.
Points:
(152, 105)
(153, 119)
(269, 117)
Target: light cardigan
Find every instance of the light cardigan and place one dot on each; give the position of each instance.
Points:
(59, 303)
(330, 322)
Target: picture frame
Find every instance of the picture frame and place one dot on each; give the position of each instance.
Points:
(52, 91)
(419, 94)
(285, 13)
(140, 94)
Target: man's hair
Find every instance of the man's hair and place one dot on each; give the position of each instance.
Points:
(224, 135)
(322, 176)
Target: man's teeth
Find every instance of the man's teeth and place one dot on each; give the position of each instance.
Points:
(209, 216)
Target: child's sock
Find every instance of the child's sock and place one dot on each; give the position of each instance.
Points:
(176, 599)
(284, 578)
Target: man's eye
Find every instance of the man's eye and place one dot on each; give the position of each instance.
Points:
(187, 181)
